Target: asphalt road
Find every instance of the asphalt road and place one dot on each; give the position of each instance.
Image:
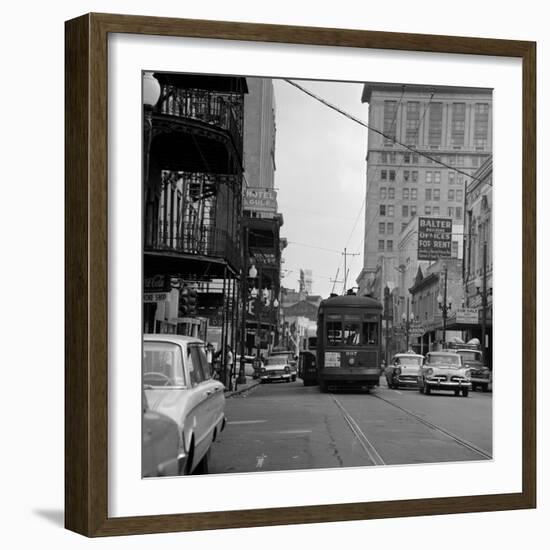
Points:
(282, 426)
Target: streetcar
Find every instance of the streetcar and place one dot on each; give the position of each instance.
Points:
(307, 362)
(349, 344)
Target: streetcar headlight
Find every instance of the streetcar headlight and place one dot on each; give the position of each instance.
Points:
(351, 361)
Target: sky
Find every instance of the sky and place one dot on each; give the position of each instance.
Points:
(321, 181)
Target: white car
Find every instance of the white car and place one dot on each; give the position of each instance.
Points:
(277, 367)
(178, 383)
(443, 370)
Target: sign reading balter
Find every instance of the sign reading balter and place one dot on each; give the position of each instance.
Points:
(434, 238)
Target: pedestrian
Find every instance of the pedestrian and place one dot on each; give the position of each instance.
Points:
(229, 362)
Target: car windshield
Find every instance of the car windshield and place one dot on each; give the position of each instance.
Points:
(409, 360)
(277, 360)
(162, 365)
(468, 355)
(444, 358)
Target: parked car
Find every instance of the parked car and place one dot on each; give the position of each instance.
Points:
(443, 370)
(178, 383)
(276, 367)
(403, 370)
(479, 373)
(162, 444)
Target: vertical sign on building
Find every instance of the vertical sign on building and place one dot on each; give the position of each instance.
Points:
(434, 238)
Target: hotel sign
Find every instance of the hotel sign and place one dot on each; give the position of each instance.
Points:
(434, 238)
(467, 315)
(260, 199)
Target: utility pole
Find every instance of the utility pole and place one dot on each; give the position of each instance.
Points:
(484, 301)
(346, 254)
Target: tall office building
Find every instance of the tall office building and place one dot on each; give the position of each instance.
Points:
(453, 126)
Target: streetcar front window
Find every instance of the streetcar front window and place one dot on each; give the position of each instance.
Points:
(370, 333)
(334, 330)
(352, 330)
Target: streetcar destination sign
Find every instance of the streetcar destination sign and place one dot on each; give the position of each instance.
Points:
(434, 238)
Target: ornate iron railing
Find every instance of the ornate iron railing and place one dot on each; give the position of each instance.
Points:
(224, 111)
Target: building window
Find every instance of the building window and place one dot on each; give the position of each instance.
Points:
(392, 175)
(436, 194)
(481, 125)
(384, 157)
(428, 210)
(435, 124)
(391, 157)
(451, 159)
(459, 196)
(381, 228)
(383, 174)
(391, 210)
(405, 193)
(390, 114)
(405, 211)
(415, 158)
(459, 160)
(406, 175)
(407, 158)
(428, 193)
(459, 179)
(413, 210)
(451, 178)
(415, 176)
(450, 211)
(458, 123)
(458, 212)
(428, 177)
(390, 228)
(435, 211)
(389, 246)
(391, 192)
(414, 193)
(413, 122)
(381, 246)
(451, 194)
(382, 209)
(437, 177)
(382, 193)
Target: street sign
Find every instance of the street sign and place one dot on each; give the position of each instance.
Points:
(467, 315)
(434, 238)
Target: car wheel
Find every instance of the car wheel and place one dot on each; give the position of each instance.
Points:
(204, 465)
(421, 388)
(485, 388)
(323, 387)
(287, 380)
(427, 389)
(465, 392)
(457, 392)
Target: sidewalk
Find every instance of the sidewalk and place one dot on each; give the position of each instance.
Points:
(241, 388)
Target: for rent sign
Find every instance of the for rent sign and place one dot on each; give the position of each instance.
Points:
(434, 238)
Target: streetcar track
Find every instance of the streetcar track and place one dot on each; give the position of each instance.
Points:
(371, 451)
(463, 442)
(368, 447)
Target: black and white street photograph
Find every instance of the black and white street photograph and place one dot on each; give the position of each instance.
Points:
(317, 274)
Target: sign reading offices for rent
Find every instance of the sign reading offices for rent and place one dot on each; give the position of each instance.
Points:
(434, 238)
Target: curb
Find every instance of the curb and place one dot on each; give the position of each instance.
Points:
(241, 389)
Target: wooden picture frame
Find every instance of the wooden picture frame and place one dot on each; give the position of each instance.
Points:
(86, 281)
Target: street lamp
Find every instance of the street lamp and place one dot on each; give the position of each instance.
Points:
(151, 95)
(481, 290)
(252, 274)
(444, 305)
(407, 318)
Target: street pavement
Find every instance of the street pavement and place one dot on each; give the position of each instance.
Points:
(281, 426)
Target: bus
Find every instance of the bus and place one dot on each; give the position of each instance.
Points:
(349, 347)
(307, 363)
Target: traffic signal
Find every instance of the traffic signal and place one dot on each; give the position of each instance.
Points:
(188, 301)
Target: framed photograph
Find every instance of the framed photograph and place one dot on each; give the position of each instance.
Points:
(299, 282)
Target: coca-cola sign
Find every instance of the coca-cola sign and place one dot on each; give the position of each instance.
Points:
(156, 283)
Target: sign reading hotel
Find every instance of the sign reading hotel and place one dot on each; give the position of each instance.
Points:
(434, 238)
(260, 199)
